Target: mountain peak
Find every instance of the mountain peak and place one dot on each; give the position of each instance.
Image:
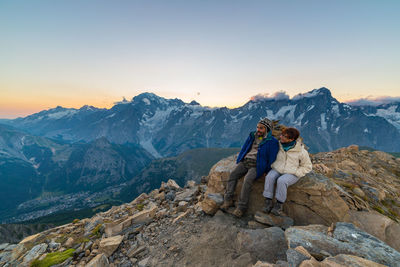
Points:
(148, 98)
(323, 91)
(194, 103)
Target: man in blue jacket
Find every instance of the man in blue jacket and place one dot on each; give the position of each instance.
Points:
(255, 158)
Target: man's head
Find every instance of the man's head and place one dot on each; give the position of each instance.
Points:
(263, 127)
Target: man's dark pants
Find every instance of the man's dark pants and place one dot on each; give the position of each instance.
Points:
(250, 171)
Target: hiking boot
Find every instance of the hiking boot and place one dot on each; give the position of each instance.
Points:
(277, 210)
(238, 212)
(227, 204)
(268, 205)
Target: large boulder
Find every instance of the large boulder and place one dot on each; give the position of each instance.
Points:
(314, 199)
(377, 225)
(260, 241)
(345, 239)
(110, 244)
(99, 261)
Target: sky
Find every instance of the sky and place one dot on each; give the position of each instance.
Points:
(219, 53)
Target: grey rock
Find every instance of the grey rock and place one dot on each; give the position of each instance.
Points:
(243, 260)
(3, 246)
(5, 257)
(368, 246)
(10, 247)
(35, 252)
(88, 245)
(266, 244)
(144, 262)
(218, 198)
(182, 206)
(92, 224)
(282, 264)
(283, 222)
(133, 252)
(294, 258)
(347, 239)
(170, 196)
(98, 261)
(126, 263)
(54, 245)
(186, 195)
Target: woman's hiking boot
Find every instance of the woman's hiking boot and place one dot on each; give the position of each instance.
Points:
(268, 205)
(277, 210)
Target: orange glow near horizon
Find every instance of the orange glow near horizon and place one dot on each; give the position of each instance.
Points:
(12, 105)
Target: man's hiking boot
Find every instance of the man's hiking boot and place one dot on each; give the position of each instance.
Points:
(238, 212)
(268, 205)
(226, 205)
(277, 210)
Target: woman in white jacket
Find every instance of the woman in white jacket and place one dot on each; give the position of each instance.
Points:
(292, 163)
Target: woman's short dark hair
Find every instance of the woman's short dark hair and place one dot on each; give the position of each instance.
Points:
(291, 133)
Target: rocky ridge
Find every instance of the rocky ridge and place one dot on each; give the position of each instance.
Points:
(328, 223)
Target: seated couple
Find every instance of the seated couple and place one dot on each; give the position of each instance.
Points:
(285, 162)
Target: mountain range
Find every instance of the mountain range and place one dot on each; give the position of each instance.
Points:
(64, 158)
(167, 127)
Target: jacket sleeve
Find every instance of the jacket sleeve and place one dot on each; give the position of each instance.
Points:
(272, 155)
(305, 164)
(243, 151)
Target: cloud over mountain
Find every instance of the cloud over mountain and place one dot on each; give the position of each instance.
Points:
(280, 95)
(373, 101)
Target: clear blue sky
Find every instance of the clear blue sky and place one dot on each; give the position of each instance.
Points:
(219, 53)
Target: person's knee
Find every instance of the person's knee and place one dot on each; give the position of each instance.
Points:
(282, 183)
(248, 180)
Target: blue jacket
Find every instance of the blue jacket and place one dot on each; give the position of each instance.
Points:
(266, 155)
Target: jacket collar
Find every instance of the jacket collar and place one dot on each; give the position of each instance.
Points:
(268, 137)
(296, 148)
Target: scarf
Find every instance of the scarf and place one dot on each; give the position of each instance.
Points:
(289, 145)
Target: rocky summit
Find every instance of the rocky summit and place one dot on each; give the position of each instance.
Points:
(344, 213)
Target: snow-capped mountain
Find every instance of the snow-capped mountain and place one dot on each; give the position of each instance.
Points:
(390, 112)
(166, 127)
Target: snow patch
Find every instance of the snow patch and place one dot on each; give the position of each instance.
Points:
(297, 122)
(313, 93)
(310, 107)
(390, 115)
(323, 122)
(110, 116)
(60, 114)
(150, 124)
(289, 110)
(208, 122)
(146, 101)
(335, 109)
(147, 145)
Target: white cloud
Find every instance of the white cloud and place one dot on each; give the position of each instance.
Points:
(280, 95)
(373, 101)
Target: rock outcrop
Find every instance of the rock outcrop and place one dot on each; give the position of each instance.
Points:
(173, 226)
(314, 199)
(360, 187)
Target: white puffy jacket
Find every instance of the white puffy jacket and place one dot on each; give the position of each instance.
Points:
(294, 161)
